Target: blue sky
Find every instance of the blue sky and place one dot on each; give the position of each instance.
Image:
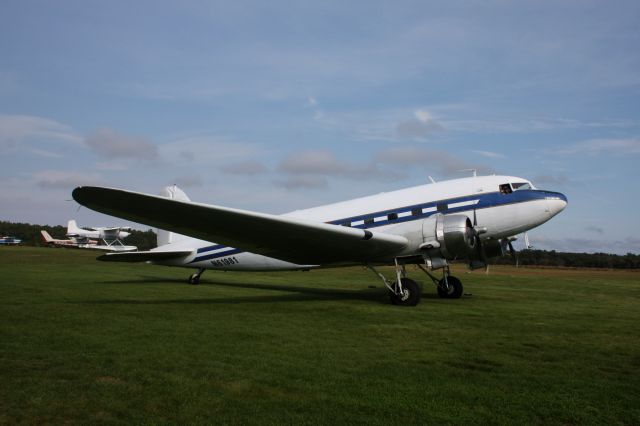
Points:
(274, 106)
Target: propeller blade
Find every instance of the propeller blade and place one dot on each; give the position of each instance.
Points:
(513, 252)
(480, 253)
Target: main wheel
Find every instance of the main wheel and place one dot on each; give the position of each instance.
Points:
(455, 288)
(194, 279)
(410, 295)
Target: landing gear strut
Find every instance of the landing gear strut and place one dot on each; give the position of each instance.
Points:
(449, 287)
(403, 291)
(195, 278)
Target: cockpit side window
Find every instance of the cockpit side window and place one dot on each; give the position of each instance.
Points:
(520, 186)
(505, 188)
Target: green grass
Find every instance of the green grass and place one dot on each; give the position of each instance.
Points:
(90, 342)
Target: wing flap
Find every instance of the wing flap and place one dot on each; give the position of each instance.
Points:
(294, 240)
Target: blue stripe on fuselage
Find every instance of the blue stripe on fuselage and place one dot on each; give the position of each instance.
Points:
(485, 200)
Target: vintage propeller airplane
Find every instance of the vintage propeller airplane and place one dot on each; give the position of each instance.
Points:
(472, 218)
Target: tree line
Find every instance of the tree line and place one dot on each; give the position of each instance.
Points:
(30, 234)
(553, 258)
(145, 240)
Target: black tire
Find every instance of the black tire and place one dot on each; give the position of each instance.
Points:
(410, 293)
(194, 279)
(455, 288)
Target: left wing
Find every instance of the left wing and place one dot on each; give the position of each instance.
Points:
(294, 240)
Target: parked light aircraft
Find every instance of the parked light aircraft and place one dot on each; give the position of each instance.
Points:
(106, 234)
(429, 225)
(9, 241)
(85, 243)
(71, 242)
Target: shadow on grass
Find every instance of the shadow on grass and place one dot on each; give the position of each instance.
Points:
(294, 293)
(146, 279)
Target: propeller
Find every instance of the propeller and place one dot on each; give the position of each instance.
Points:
(512, 251)
(479, 249)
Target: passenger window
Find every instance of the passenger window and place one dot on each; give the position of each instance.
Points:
(441, 207)
(505, 188)
(416, 212)
(392, 216)
(347, 224)
(368, 221)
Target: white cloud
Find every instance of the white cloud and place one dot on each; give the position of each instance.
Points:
(311, 102)
(59, 179)
(429, 160)
(44, 153)
(302, 182)
(604, 146)
(249, 168)
(514, 124)
(16, 129)
(313, 162)
(325, 163)
(207, 151)
(188, 181)
(419, 127)
(113, 145)
(595, 229)
(490, 154)
(559, 180)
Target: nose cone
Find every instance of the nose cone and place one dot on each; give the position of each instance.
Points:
(556, 202)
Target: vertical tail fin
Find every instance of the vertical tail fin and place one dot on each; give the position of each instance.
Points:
(46, 238)
(167, 237)
(72, 227)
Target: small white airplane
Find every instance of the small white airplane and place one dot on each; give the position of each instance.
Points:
(105, 234)
(85, 243)
(109, 238)
(9, 241)
(471, 218)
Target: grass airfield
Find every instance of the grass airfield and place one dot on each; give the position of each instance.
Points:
(101, 343)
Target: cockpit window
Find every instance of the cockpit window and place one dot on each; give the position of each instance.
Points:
(520, 186)
(505, 188)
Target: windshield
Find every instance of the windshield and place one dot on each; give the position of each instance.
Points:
(521, 185)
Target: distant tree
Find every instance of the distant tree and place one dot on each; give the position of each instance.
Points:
(144, 240)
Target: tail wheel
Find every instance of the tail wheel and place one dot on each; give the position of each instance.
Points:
(410, 295)
(454, 291)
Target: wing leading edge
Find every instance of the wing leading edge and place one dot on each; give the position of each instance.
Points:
(294, 240)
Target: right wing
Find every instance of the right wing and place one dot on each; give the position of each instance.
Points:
(295, 240)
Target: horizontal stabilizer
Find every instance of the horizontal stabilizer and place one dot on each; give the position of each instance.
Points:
(144, 256)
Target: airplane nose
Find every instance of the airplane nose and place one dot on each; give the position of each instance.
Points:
(556, 202)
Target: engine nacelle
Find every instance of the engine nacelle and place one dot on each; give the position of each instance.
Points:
(449, 237)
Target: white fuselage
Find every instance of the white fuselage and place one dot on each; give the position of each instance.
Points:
(489, 201)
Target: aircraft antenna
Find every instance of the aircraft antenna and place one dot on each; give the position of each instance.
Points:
(431, 179)
(475, 171)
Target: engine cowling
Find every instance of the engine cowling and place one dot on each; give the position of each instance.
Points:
(449, 237)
